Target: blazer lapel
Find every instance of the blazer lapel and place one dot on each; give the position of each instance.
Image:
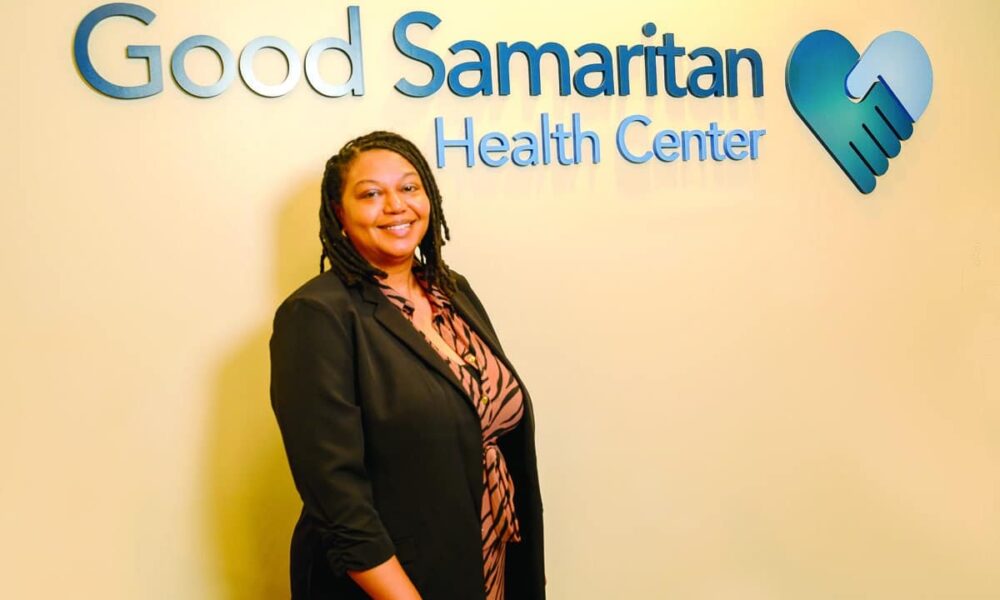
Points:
(465, 308)
(390, 318)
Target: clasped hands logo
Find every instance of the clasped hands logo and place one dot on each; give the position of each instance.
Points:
(860, 108)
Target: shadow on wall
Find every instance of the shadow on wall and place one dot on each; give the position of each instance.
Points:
(251, 504)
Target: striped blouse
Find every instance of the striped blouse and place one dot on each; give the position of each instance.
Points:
(498, 400)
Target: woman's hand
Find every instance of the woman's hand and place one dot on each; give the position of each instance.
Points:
(388, 581)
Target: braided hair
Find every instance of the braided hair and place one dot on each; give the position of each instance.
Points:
(344, 259)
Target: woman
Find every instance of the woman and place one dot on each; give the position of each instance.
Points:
(409, 435)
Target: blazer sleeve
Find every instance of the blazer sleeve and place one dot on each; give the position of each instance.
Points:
(312, 395)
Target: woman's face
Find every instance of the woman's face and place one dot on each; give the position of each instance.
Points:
(384, 208)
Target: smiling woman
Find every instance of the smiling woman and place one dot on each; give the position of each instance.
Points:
(406, 427)
(384, 209)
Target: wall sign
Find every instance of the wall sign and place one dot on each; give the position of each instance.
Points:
(859, 107)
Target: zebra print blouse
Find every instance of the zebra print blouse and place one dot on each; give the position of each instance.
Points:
(498, 400)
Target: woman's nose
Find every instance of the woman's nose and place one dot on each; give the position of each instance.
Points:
(393, 203)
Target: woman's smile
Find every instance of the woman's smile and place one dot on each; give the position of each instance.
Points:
(398, 229)
(384, 208)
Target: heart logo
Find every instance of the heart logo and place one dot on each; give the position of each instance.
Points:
(860, 107)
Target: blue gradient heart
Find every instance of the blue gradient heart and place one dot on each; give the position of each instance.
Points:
(860, 107)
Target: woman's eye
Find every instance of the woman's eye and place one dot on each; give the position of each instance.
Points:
(410, 187)
(369, 194)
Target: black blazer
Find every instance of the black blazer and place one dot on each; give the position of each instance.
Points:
(385, 448)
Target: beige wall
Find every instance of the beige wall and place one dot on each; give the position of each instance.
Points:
(752, 382)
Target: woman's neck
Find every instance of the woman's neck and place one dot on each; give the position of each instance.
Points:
(400, 277)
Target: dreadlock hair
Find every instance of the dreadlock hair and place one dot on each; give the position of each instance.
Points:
(344, 259)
